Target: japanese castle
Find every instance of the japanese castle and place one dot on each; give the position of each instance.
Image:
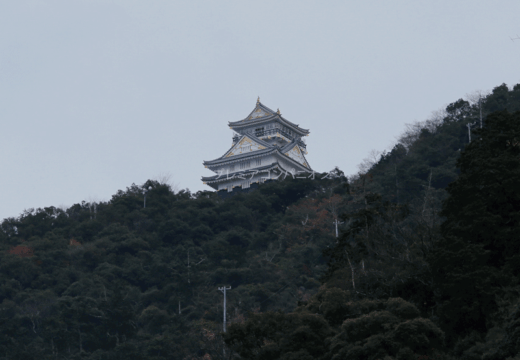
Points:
(266, 147)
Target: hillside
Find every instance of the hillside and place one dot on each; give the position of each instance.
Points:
(316, 266)
(97, 275)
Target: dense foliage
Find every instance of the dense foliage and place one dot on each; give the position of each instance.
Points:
(414, 257)
(449, 253)
(115, 277)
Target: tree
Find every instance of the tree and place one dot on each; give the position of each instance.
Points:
(274, 335)
(509, 347)
(381, 329)
(379, 251)
(479, 251)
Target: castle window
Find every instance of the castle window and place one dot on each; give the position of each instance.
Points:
(259, 131)
(258, 162)
(232, 168)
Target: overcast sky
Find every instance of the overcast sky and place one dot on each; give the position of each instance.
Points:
(97, 95)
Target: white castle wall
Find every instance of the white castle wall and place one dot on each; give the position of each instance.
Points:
(261, 176)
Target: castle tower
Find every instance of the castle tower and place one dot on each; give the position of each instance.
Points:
(266, 147)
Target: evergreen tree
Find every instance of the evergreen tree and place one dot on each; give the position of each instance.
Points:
(479, 251)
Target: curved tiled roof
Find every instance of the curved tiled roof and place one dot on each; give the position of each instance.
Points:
(235, 158)
(289, 147)
(258, 153)
(262, 107)
(270, 116)
(223, 158)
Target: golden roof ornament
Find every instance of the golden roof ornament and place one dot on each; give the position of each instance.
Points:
(278, 111)
(258, 100)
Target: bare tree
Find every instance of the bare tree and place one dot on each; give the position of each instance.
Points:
(334, 204)
(413, 130)
(92, 206)
(372, 159)
(476, 98)
(166, 179)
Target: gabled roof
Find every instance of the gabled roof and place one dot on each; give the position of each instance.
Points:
(262, 114)
(291, 146)
(288, 147)
(227, 157)
(259, 111)
(235, 158)
(259, 153)
(251, 137)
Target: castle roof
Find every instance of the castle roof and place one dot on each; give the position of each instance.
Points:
(262, 114)
(229, 157)
(256, 154)
(291, 146)
(229, 160)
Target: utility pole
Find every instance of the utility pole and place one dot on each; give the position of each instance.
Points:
(146, 192)
(223, 289)
(469, 125)
(480, 107)
(336, 222)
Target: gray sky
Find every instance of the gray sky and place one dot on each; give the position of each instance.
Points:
(97, 95)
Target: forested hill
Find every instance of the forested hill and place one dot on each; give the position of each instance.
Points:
(391, 263)
(115, 277)
(426, 153)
